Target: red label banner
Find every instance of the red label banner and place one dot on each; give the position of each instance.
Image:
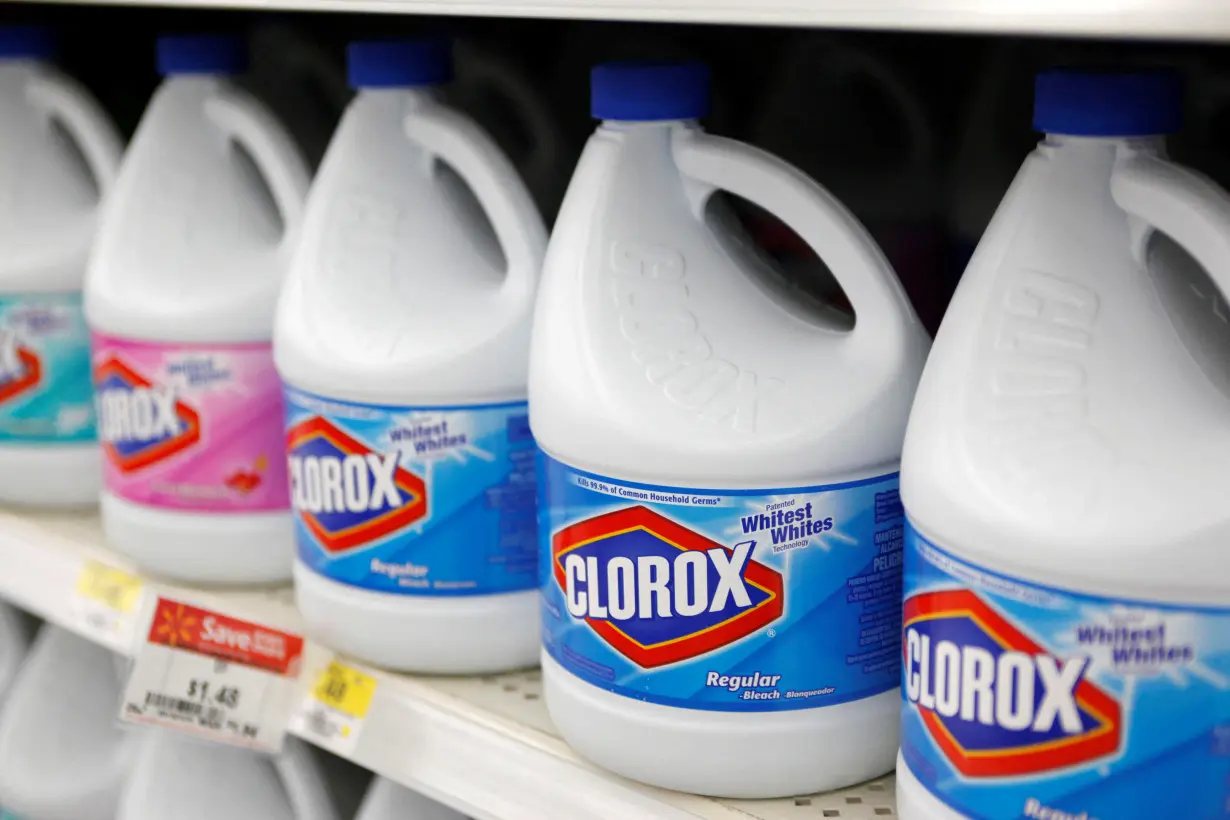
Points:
(181, 626)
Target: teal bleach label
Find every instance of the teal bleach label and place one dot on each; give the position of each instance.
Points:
(414, 500)
(46, 392)
(726, 600)
(1024, 701)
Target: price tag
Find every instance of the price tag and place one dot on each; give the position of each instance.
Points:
(333, 712)
(215, 676)
(106, 602)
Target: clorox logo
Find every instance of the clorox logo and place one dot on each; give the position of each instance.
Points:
(141, 423)
(21, 369)
(347, 494)
(996, 702)
(660, 593)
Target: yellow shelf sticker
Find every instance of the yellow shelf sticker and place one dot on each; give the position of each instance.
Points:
(333, 711)
(107, 604)
(345, 689)
(113, 588)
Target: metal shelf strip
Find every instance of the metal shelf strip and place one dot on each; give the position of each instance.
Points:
(1155, 19)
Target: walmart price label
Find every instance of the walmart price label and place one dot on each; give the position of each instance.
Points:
(333, 712)
(106, 605)
(214, 676)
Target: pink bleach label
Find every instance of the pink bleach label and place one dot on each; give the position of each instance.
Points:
(190, 427)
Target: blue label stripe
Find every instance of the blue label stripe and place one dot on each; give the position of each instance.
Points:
(666, 488)
(1026, 700)
(296, 394)
(46, 391)
(420, 501)
(731, 601)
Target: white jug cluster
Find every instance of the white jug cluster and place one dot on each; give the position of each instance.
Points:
(635, 450)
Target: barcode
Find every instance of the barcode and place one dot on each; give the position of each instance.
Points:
(318, 721)
(179, 707)
(101, 621)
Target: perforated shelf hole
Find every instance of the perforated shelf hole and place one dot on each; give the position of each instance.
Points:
(863, 801)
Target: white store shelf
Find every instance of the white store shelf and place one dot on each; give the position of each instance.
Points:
(1162, 19)
(482, 745)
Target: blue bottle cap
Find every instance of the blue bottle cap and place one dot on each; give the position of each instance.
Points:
(202, 54)
(399, 63)
(1131, 103)
(647, 91)
(27, 43)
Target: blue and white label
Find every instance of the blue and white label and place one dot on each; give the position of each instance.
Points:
(46, 389)
(1026, 701)
(414, 500)
(724, 600)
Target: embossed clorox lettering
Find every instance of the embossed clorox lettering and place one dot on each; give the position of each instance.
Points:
(651, 294)
(1046, 326)
(363, 233)
(1037, 385)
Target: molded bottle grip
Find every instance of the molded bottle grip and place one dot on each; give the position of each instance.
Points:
(458, 141)
(63, 99)
(533, 111)
(885, 322)
(276, 155)
(1189, 207)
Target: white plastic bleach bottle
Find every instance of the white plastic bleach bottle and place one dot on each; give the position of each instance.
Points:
(720, 527)
(180, 296)
(403, 339)
(1067, 583)
(49, 204)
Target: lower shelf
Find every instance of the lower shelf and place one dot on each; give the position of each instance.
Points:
(483, 745)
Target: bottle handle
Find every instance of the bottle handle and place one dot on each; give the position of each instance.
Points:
(459, 142)
(882, 311)
(239, 115)
(532, 110)
(63, 99)
(1184, 204)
